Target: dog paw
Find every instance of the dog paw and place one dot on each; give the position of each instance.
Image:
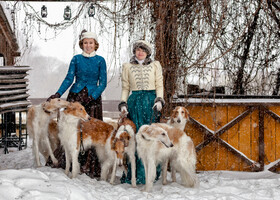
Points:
(55, 162)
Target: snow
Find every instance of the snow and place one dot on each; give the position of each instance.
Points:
(20, 179)
(225, 101)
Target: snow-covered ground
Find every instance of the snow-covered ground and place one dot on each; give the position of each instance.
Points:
(19, 179)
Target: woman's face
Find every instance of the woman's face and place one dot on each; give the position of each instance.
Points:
(88, 45)
(140, 54)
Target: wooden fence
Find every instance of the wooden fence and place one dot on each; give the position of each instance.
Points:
(238, 135)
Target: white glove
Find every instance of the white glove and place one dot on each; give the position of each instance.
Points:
(124, 110)
(158, 106)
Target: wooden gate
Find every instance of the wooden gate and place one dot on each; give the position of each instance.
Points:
(239, 135)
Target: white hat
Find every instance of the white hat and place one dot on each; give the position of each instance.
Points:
(89, 35)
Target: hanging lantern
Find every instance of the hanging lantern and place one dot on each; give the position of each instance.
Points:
(91, 11)
(67, 13)
(44, 11)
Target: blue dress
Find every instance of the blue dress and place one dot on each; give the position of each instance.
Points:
(140, 111)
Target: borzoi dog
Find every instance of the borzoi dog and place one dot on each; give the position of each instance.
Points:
(69, 134)
(182, 156)
(40, 129)
(124, 144)
(179, 118)
(153, 147)
(76, 136)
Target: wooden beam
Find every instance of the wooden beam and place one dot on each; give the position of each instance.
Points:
(261, 137)
(211, 136)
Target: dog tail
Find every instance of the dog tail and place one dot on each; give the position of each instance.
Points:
(29, 121)
(187, 162)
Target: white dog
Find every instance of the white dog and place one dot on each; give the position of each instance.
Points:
(153, 147)
(179, 118)
(69, 134)
(182, 157)
(41, 128)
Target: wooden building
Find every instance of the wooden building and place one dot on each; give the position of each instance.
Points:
(8, 43)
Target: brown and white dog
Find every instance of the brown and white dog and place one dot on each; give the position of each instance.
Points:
(76, 135)
(125, 144)
(182, 157)
(179, 117)
(42, 129)
(153, 147)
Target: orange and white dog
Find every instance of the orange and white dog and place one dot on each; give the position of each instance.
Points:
(182, 157)
(76, 135)
(42, 129)
(124, 144)
(153, 147)
(179, 118)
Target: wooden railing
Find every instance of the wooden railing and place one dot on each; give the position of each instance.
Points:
(13, 98)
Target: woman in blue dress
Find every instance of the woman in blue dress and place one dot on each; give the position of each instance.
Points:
(142, 77)
(90, 74)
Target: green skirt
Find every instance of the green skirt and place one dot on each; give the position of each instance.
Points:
(140, 111)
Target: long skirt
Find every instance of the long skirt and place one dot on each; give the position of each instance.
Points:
(89, 162)
(140, 111)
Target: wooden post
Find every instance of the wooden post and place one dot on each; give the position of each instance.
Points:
(261, 137)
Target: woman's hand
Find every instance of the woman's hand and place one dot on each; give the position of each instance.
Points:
(56, 95)
(157, 106)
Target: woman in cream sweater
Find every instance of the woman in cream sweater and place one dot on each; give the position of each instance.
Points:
(142, 77)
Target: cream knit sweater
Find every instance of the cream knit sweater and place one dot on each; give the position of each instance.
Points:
(141, 77)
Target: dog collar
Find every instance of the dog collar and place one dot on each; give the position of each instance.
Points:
(145, 138)
(46, 111)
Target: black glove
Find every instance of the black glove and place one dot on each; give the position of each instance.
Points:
(56, 95)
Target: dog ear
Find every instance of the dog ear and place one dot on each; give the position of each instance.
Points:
(48, 107)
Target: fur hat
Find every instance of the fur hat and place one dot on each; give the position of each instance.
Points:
(146, 46)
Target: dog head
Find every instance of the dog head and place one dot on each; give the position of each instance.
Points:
(180, 115)
(121, 141)
(77, 110)
(155, 133)
(54, 105)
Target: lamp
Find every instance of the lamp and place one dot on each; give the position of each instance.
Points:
(91, 10)
(67, 13)
(44, 11)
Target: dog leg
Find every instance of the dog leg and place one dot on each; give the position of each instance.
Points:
(173, 171)
(36, 151)
(113, 174)
(68, 160)
(164, 172)
(133, 169)
(75, 164)
(146, 172)
(54, 160)
(151, 175)
(105, 170)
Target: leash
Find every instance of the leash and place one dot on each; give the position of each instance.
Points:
(154, 115)
(82, 148)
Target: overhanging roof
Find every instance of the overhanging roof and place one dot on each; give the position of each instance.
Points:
(6, 30)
